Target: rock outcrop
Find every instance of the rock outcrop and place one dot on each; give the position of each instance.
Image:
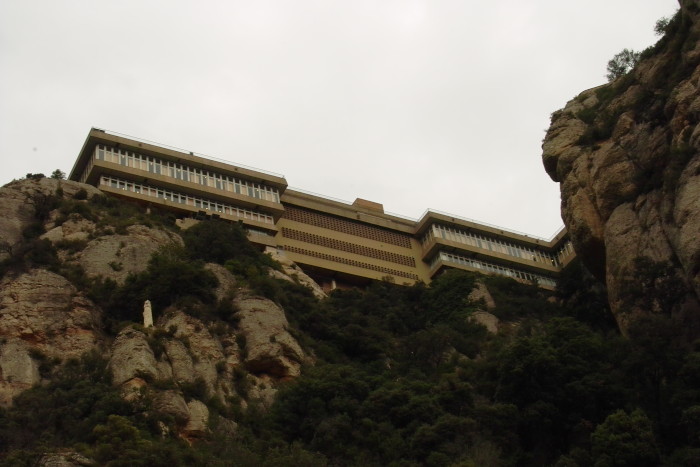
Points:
(65, 459)
(293, 273)
(482, 296)
(181, 364)
(117, 256)
(206, 361)
(43, 319)
(270, 349)
(236, 364)
(19, 201)
(132, 357)
(626, 155)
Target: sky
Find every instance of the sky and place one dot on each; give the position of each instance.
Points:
(435, 104)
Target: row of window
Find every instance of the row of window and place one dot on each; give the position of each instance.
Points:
(346, 226)
(188, 200)
(491, 244)
(351, 262)
(566, 249)
(349, 247)
(185, 173)
(493, 268)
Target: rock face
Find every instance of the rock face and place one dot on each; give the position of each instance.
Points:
(237, 356)
(18, 202)
(65, 459)
(270, 349)
(42, 318)
(626, 155)
(116, 256)
(205, 361)
(132, 357)
(198, 419)
(292, 272)
(208, 359)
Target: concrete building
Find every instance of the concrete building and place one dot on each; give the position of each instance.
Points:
(333, 241)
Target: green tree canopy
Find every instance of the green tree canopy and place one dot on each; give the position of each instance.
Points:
(622, 63)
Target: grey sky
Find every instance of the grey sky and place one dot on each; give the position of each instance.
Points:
(413, 104)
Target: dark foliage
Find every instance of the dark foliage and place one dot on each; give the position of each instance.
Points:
(171, 276)
(217, 241)
(403, 377)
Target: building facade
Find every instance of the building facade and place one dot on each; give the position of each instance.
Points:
(335, 242)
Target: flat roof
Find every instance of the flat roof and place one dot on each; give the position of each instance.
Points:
(98, 136)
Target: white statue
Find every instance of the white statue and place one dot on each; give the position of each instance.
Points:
(147, 314)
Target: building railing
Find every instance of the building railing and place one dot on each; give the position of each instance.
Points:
(493, 226)
(444, 257)
(185, 173)
(489, 244)
(185, 199)
(427, 211)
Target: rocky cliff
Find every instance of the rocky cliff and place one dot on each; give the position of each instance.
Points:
(56, 234)
(626, 155)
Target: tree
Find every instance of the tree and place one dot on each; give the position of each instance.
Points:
(58, 174)
(661, 26)
(622, 63)
(625, 440)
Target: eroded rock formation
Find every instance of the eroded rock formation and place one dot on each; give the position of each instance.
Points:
(626, 155)
(43, 320)
(181, 363)
(117, 256)
(270, 349)
(20, 199)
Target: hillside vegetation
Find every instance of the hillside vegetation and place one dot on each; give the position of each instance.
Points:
(398, 375)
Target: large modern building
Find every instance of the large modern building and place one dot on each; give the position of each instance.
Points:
(333, 241)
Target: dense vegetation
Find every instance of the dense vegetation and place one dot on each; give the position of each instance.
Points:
(403, 376)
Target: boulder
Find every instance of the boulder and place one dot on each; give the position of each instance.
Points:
(488, 320)
(227, 282)
(117, 256)
(17, 204)
(132, 357)
(18, 370)
(270, 349)
(197, 359)
(46, 311)
(481, 293)
(180, 361)
(198, 421)
(171, 402)
(75, 228)
(65, 459)
(292, 272)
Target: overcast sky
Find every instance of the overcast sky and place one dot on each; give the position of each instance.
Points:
(413, 104)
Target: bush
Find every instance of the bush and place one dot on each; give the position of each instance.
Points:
(196, 389)
(171, 277)
(58, 174)
(622, 63)
(625, 440)
(218, 241)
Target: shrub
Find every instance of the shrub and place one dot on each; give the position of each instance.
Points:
(196, 389)
(622, 63)
(58, 174)
(80, 194)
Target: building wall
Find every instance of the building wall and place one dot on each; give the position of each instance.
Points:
(336, 242)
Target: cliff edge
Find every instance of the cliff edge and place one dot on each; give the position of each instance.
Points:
(626, 156)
